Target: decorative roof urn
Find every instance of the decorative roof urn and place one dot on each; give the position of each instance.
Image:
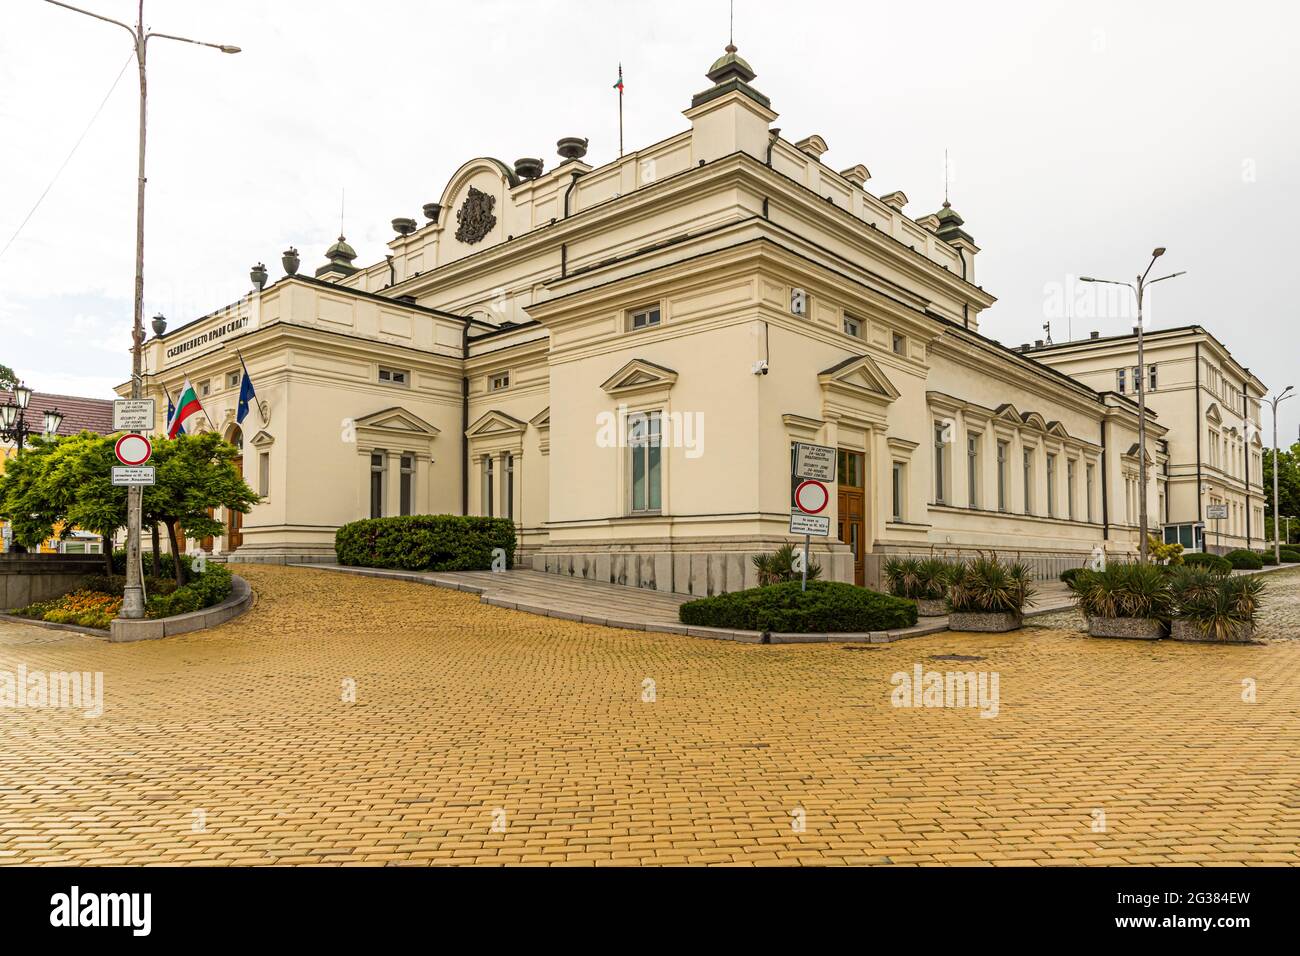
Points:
(159, 324)
(291, 261)
(432, 210)
(403, 226)
(258, 274)
(528, 168)
(572, 147)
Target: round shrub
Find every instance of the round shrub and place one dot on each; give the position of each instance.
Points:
(826, 607)
(1211, 561)
(425, 542)
(1243, 560)
(1290, 557)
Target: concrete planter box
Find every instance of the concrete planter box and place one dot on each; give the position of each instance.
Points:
(985, 623)
(931, 607)
(1132, 628)
(1187, 631)
(241, 598)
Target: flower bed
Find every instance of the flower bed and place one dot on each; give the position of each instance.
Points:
(83, 608)
(99, 599)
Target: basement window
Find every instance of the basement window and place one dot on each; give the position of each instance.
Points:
(394, 376)
(499, 381)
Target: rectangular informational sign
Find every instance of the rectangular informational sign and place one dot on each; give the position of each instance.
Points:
(138, 475)
(815, 525)
(1216, 512)
(814, 461)
(133, 415)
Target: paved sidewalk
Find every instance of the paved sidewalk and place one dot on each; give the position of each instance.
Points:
(345, 721)
(639, 609)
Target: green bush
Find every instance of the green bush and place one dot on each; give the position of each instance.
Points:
(826, 607)
(204, 590)
(1070, 575)
(1243, 560)
(989, 586)
(1127, 590)
(1268, 559)
(1290, 557)
(165, 566)
(114, 585)
(1211, 561)
(1223, 607)
(425, 543)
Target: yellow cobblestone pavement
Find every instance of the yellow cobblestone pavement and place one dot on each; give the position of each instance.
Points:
(483, 735)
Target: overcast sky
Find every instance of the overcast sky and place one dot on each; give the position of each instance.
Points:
(1081, 135)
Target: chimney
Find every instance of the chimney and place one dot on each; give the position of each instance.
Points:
(1094, 335)
(1038, 343)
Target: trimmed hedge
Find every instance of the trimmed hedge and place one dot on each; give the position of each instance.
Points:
(1211, 561)
(1290, 557)
(826, 607)
(1243, 560)
(425, 543)
(211, 587)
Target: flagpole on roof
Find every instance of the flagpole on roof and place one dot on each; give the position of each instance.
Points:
(620, 111)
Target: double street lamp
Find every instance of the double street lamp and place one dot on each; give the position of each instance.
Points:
(1139, 287)
(133, 595)
(13, 418)
(1275, 401)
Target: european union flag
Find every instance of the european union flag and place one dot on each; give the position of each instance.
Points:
(246, 394)
(171, 410)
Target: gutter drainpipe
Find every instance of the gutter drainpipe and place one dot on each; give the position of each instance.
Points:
(464, 426)
(1105, 478)
(572, 182)
(1199, 515)
(392, 271)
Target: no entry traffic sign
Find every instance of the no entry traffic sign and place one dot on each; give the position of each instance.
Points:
(133, 450)
(811, 497)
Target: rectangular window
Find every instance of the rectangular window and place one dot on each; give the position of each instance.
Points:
(508, 473)
(1051, 486)
(899, 476)
(940, 476)
(1004, 452)
(643, 440)
(499, 381)
(1121, 379)
(394, 376)
(1069, 488)
(850, 468)
(205, 388)
(1151, 378)
(899, 344)
(232, 380)
(644, 318)
(1137, 379)
(408, 484)
(378, 464)
(852, 326)
(1029, 481)
(489, 488)
(973, 469)
(1090, 479)
(264, 473)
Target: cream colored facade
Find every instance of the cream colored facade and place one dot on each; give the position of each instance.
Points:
(725, 284)
(1215, 453)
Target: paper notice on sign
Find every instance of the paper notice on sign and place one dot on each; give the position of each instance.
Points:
(133, 415)
(816, 525)
(814, 461)
(128, 475)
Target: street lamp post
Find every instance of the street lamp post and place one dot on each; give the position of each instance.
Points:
(13, 418)
(133, 594)
(1275, 401)
(1139, 288)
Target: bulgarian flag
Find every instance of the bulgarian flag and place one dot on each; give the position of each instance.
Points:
(619, 85)
(187, 403)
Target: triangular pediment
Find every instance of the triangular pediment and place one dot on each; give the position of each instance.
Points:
(262, 439)
(1057, 429)
(542, 419)
(496, 423)
(639, 375)
(1008, 413)
(396, 419)
(861, 374)
(1212, 414)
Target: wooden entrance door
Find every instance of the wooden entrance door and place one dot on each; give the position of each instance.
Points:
(852, 515)
(235, 520)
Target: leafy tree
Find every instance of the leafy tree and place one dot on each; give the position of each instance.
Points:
(1288, 479)
(8, 379)
(55, 486)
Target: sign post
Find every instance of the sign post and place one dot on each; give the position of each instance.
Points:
(813, 470)
(1217, 513)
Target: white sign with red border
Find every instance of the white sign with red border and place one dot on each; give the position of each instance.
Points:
(133, 450)
(811, 498)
